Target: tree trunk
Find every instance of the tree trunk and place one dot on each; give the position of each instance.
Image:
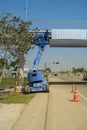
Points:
(20, 70)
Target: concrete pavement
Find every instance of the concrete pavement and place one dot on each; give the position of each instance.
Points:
(33, 117)
(64, 114)
(54, 111)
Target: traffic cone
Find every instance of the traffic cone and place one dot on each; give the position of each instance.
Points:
(75, 99)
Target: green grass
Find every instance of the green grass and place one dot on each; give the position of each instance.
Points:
(8, 82)
(16, 98)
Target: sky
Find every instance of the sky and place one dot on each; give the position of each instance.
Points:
(49, 14)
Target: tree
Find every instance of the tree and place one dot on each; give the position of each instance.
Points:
(15, 39)
(2, 62)
(14, 65)
(48, 70)
(76, 70)
(80, 69)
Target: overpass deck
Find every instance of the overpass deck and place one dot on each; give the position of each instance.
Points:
(68, 38)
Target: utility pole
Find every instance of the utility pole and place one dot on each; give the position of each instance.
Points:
(45, 65)
(26, 10)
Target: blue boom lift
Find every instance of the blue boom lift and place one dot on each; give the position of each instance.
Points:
(35, 77)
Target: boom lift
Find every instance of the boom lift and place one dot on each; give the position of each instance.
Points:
(60, 38)
(36, 77)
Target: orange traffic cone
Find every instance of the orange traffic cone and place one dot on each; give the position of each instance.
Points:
(75, 99)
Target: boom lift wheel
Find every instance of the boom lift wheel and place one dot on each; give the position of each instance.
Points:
(26, 89)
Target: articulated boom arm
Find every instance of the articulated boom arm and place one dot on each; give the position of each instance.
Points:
(37, 60)
(41, 43)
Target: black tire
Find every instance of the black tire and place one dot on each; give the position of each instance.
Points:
(26, 89)
(47, 88)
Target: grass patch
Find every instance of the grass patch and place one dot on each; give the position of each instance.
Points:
(16, 98)
(8, 82)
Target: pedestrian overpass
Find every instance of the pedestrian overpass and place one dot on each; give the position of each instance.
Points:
(68, 38)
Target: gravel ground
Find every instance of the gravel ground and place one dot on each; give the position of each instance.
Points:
(9, 114)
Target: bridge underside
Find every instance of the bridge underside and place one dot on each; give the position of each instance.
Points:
(68, 43)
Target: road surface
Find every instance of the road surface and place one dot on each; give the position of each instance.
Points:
(55, 111)
(49, 111)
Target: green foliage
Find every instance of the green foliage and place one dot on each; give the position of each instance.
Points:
(15, 38)
(15, 41)
(2, 62)
(0, 73)
(48, 70)
(76, 70)
(14, 64)
(7, 82)
(80, 69)
(25, 80)
(16, 98)
(45, 76)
